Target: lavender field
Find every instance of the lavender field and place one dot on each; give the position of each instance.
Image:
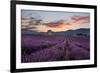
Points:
(54, 48)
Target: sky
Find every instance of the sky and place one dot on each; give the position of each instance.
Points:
(56, 21)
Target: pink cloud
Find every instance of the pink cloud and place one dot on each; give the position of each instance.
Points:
(80, 19)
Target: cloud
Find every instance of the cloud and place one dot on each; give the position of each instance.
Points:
(58, 25)
(80, 19)
(74, 22)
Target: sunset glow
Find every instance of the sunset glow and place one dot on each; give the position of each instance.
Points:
(42, 21)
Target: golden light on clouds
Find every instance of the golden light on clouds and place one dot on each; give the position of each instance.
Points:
(60, 27)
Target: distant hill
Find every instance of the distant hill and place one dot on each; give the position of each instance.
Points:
(77, 32)
(29, 32)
